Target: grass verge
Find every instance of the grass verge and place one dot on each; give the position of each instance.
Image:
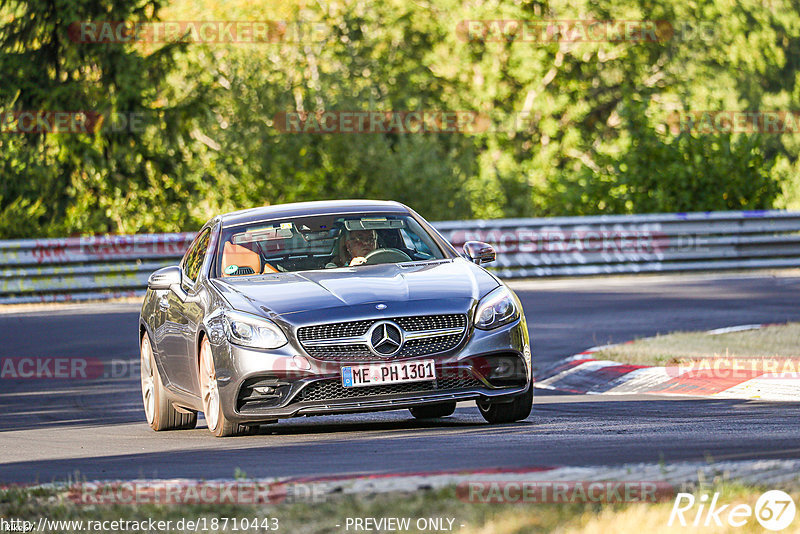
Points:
(468, 518)
(779, 341)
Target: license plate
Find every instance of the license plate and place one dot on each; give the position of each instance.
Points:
(388, 373)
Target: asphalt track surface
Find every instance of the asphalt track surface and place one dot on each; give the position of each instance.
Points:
(57, 430)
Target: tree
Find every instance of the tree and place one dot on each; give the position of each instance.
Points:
(117, 178)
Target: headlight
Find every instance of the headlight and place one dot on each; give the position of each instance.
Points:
(251, 331)
(496, 309)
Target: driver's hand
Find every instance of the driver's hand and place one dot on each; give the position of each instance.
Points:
(358, 260)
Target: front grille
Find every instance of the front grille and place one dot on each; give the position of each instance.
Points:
(353, 351)
(341, 353)
(332, 389)
(431, 345)
(334, 330)
(432, 322)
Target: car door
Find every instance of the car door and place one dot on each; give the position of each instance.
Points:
(181, 319)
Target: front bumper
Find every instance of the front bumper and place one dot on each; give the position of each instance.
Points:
(465, 373)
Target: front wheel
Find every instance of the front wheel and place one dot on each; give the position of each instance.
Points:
(160, 413)
(508, 412)
(217, 423)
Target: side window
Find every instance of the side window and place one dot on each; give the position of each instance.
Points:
(407, 240)
(413, 242)
(195, 256)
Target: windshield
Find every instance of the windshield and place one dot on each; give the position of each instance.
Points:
(322, 242)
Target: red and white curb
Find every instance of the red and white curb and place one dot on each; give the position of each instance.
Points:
(676, 474)
(582, 374)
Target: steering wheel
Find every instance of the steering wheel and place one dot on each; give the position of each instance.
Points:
(386, 255)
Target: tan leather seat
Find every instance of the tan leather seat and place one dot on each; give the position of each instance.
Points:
(241, 257)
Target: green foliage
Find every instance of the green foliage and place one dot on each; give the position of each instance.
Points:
(374, 59)
(666, 173)
(577, 127)
(113, 180)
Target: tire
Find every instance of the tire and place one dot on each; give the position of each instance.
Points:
(217, 423)
(159, 411)
(434, 410)
(508, 412)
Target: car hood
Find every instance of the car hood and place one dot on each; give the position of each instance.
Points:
(330, 295)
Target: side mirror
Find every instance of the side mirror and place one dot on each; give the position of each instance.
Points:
(170, 278)
(479, 252)
(165, 278)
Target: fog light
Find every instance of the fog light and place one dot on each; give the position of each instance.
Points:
(503, 369)
(301, 363)
(264, 390)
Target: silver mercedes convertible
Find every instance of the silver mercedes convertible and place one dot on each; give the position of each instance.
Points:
(324, 308)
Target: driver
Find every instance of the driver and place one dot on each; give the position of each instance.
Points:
(356, 245)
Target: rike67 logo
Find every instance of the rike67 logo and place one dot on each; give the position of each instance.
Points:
(774, 510)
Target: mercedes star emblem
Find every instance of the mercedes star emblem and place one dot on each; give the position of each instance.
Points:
(385, 339)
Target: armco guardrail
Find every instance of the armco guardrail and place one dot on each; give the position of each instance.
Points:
(80, 268)
(574, 246)
(41, 270)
